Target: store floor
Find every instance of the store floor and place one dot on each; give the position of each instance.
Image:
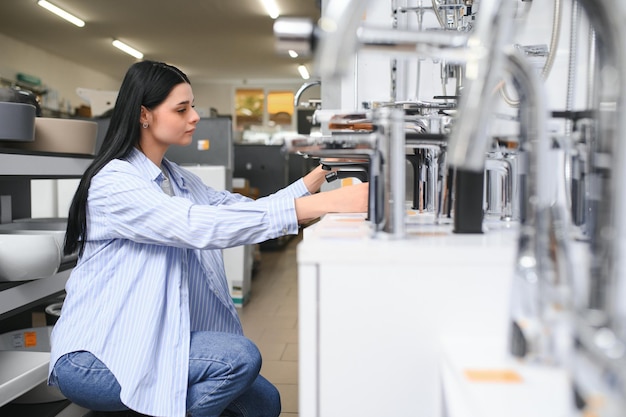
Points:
(270, 319)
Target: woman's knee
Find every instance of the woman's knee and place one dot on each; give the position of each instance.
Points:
(238, 355)
(86, 381)
(249, 354)
(247, 364)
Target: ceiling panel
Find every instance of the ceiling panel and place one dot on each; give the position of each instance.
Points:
(212, 40)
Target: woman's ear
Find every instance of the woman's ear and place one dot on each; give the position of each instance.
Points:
(144, 117)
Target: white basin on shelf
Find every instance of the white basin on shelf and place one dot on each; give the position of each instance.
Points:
(26, 256)
(51, 226)
(58, 235)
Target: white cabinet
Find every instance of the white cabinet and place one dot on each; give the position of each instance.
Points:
(373, 313)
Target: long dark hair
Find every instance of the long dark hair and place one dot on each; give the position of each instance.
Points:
(146, 83)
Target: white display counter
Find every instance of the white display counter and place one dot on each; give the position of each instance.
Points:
(481, 380)
(373, 311)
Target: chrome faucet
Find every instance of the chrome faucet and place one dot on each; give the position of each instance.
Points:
(541, 305)
(545, 270)
(301, 90)
(601, 319)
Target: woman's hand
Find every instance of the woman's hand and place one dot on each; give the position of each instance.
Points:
(348, 199)
(314, 179)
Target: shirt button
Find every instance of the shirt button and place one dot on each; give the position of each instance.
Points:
(285, 230)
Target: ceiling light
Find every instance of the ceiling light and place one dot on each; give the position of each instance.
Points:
(271, 8)
(61, 13)
(304, 72)
(129, 50)
(293, 53)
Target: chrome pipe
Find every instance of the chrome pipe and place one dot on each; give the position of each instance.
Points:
(342, 35)
(294, 33)
(390, 126)
(499, 188)
(469, 142)
(540, 304)
(591, 66)
(608, 165)
(571, 65)
(338, 43)
(600, 361)
(449, 46)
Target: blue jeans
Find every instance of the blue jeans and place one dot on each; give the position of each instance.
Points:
(224, 379)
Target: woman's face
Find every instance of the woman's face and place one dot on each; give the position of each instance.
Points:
(174, 120)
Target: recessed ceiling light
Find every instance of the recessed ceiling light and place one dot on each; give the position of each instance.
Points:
(271, 8)
(293, 53)
(128, 49)
(61, 13)
(304, 72)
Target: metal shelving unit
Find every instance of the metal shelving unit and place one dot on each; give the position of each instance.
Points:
(21, 371)
(31, 291)
(42, 165)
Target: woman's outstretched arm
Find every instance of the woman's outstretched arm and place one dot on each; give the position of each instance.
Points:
(349, 199)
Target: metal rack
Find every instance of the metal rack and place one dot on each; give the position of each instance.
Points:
(22, 371)
(42, 165)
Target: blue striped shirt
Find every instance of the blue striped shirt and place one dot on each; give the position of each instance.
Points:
(152, 272)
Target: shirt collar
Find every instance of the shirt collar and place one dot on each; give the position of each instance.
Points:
(146, 166)
(176, 174)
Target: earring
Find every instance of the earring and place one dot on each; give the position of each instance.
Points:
(145, 125)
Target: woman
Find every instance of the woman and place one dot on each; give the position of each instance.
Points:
(148, 323)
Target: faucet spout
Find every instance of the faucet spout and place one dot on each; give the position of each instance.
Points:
(301, 90)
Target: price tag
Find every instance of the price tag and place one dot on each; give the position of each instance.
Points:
(30, 339)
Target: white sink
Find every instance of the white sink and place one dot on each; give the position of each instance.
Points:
(52, 226)
(28, 255)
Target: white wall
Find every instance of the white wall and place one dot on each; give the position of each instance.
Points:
(57, 73)
(218, 96)
(65, 76)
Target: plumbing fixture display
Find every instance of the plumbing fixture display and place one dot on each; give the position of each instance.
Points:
(600, 327)
(381, 140)
(492, 147)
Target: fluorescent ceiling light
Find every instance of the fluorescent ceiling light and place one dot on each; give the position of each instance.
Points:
(304, 72)
(61, 13)
(130, 51)
(293, 53)
(271, 8)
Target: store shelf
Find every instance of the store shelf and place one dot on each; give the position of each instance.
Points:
(42, 165)
(31, 292)
(21, 372)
